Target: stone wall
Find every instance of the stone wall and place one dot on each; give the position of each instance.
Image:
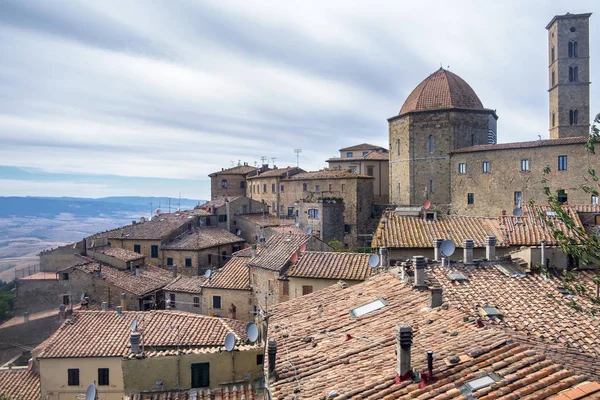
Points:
(381, 173)
(145, 248)
(494, 192)
(236, 185)
(297, 283)
(270, 196)
(202, 260)
(59, 258)
(328, 225)
(241, 299)
(35, 295)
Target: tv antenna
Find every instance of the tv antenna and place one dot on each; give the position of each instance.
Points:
(297, 151)
(373, 260)
(229, 341)
(252, 331)
(263, 159)
(273, 160)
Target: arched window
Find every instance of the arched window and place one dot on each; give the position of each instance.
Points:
(570, 49)
(431, 186)
(570, 117)
(576, 74)
(575, 117)
(571, 74)
(553, 80)
(430, 143)
(552, 54)
(553, 119)
(575, 49)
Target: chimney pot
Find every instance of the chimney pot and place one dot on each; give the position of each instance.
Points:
(430, 363)
(490, 248)
(119, 310)
(436, 297)
(272, 354)
(253, 250)
(383, 257)
(134, 340)
(437, 243)
(404, 336)
(104, 306)
(468, 245)
(419, 267)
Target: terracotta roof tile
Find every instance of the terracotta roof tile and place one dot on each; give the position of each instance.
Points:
(202, 238)
(398, 231)
(329, 265)
(587, 208)
(20, 384)
(278, 251)
(265, 219)
(323, 348)
(441, 90)
(151, 278)
(233, 275)
(39, 276)
(237, 170)
(278, 173)
(382, 155)
(244, 391)
(328, 174)
(110, 332)
(363, 146)
(522, 145)
(118, 253)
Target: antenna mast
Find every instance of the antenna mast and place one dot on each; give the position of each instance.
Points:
(273, 160)
(297, 151)
(263, 159)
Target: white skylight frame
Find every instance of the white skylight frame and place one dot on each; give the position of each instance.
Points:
(367, 308)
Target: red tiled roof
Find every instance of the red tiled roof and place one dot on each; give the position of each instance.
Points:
(202, 238)
(363, 146)
(441, 90)
(530, 229)
(373, 155)
(233, 275)
(278, 173)
(522, 145)
(586, 208)
(324, 349)
(20, 384)
(398, 231)
(237, 170)
(39, 276)
(328, 174)
(219, 202)
(118, 253)
(151, 278)
(330, 265)
(278, 251)
(232, 391)
(106, 334)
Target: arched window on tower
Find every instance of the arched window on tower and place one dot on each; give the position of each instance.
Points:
(552, 54)
(575, 49)
(553, 80)
(571, 74)
(570, 49)
(576, 74)
(575, 117)
(431, 144)
(553, 119)
(570, 117)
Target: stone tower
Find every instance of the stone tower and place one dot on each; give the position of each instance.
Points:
(442, 114)
(569, 75)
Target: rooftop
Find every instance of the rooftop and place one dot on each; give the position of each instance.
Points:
(200, 238)
(363, 146)
(567, 16)
(373, 155)
(522, 145)
(265, 219)
(110, 332)
(278, 173)
(219, 202)
(118, 253)
(233, 275)
(440, 91)
(39, 276)
(328, 174)
(398, 231)
(330, 265)
(278, 250)
(326, 349)
(237, 170)
(151, 278)
(19, 384)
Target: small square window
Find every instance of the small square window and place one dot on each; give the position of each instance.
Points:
(73, 376)
(260, 359)
(103, 377)
(349, 154)
(223, 218)
(486, 167)
(525, 165)
(594, 199)
(65, 275)
(170, 261)
(365, 153)
(282, 188)
(137, 248)
(306, 290)
(562, 196)
(462, 168)
(188, 262)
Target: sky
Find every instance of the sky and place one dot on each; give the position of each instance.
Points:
(111, 98)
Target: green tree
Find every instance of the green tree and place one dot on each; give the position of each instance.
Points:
(7, 300)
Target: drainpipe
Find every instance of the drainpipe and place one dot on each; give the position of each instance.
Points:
(543, 253)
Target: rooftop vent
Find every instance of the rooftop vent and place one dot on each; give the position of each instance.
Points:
(457, 277)
(481, 382)
(488, 311)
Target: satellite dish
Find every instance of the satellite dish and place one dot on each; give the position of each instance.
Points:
(134, 325)
(229, 341)
(517, 212)
(426, 205)
(252, 331)
(207, 274)
(373, 260)
(447, 248)
(297, 224)
(90, 393)
(308, 230)
(238, 232)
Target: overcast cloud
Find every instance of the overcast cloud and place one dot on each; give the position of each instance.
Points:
(96, 94)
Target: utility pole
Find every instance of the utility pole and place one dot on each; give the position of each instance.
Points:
(151, 210)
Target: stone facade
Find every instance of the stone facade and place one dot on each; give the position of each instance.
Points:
(59, 258)
(145, 248)
(235, 304)
(201, 260)
(231, 181)
(325, 219)
(419, 152)
(569, 89)
(494, 193)
(298, 286)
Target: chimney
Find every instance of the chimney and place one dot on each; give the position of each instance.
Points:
(104, 306)
(61, 310)
(84, 252)
(436, 297)
(174, 270)
(468, 245)
(430, 364)
(403, 271)
(123, 297)
(404, 336)
(272, 354)
(543, 253)
(419, 267)
(119, 310)
(437, 243)
(134, 339)
(131, 266)
(69, 313)
(253, 251)
(384, 262)
(137, 271)
(490, 248)
(26, 316)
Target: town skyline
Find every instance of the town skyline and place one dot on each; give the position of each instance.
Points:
(327, 80)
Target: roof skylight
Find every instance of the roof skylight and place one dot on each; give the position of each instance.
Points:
(367, 308)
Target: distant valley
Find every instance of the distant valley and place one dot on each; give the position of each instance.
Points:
(29, 225)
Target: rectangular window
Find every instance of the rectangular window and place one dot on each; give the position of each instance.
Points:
(317, 189)
(330, 188)
(73, 376)
(486, 167)
(304, 187)
(347, 228)
(223, 218)
(470, 198)
(398, 145)
(154, 251)
(290, 212)
(282, 188)
(209, 260)
(197, 302)
(169, 261)
(65, 276)
(200, 375)
(349, 154)
(172, 299)
(518, 197)
(137, 248)
(561, 196)
(306, 290)
(431, 186)
(562, 163)
(594, 199)
(244, 209)
(365, 153)
(273, 187)
(188, 262)
(462, 168)
(370, 171)
(313, 213)
(264, 188)
(286, 288)
(525, 164)
(260, 359)
(103, 377)
(216, 302)
(66, 299)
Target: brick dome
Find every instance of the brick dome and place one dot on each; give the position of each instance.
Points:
(439, 91)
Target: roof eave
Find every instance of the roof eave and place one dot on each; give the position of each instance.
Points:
(456, 109)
